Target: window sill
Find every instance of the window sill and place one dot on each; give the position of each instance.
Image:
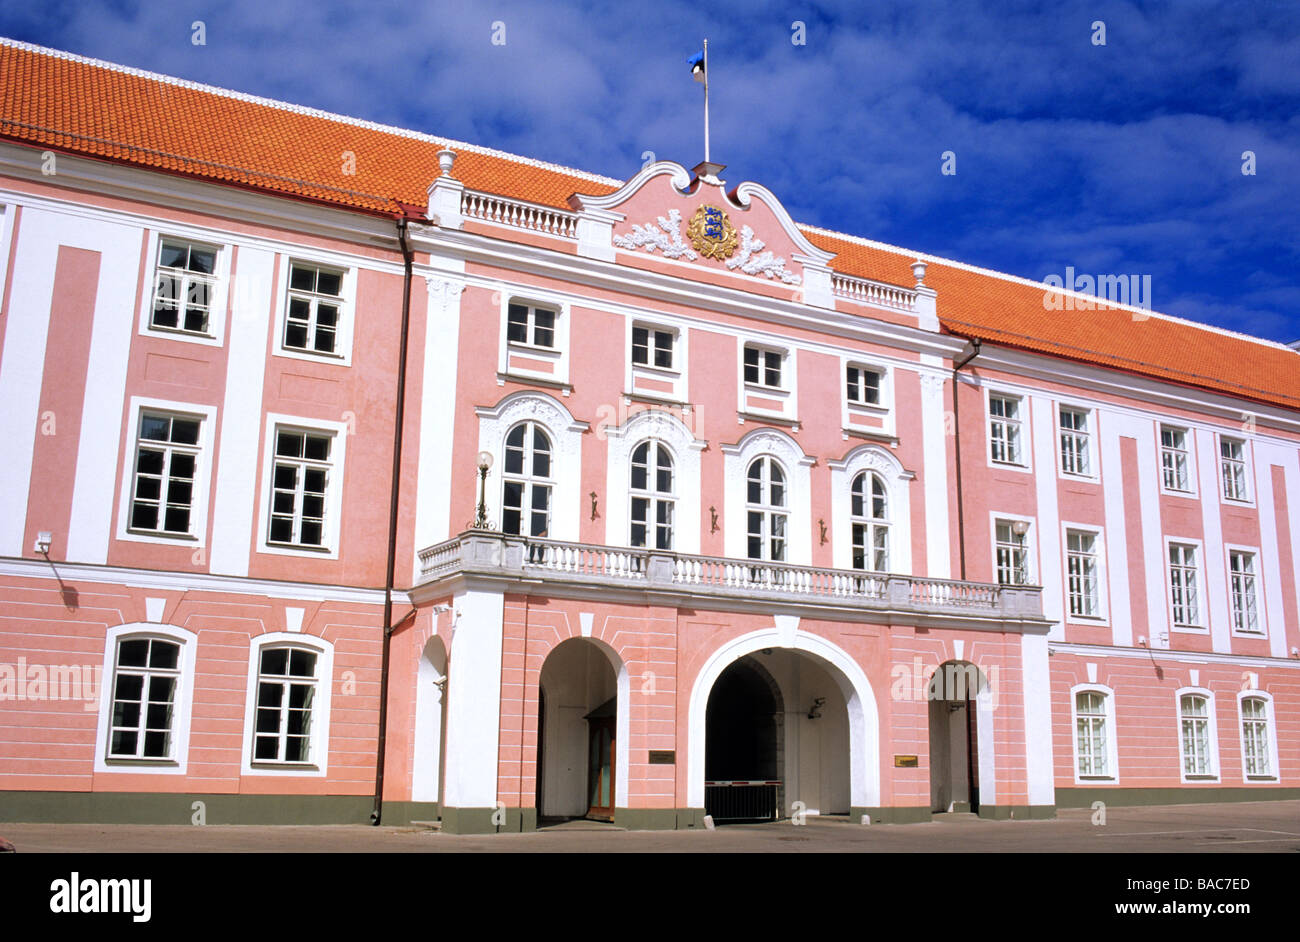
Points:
(180, 333)
(296, 547)
(162, 536)
(666, 372)
(869, 435)
(1261, 779)
(765, 389)
(631, 397)
(767, 418)
(123, 763)
(533, 348)
(528, 379)
(265, 765)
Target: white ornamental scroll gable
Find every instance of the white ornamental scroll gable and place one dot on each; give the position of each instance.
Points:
(764, 264)
(666, 237)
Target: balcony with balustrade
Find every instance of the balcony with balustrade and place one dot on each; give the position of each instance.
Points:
(484, 558)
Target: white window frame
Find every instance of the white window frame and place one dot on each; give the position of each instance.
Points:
(346, 329)
(1229, 550)
(1023, 424)
(1270, 727)
(882, 461)
(797, 466)
(674, 376)
(1102, 615)
(1212, 735)
(1112, 748)
(1032, 567)
(786, 393)
(557, 355)
(870, 522)
(1247, 498)
(1188, 449)
(182, 707)
(653, 496)
(1202, 620)
(203, 480)
(215, 337)
(317, 766)
(331, 541)
(883, 410)
(1089, 437)
(528, 480)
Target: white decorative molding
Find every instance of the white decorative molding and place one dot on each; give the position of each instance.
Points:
(443, 291)
(667, 237)
(663, 427)
(763, 264)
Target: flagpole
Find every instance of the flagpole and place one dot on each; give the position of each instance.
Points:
(706, 101)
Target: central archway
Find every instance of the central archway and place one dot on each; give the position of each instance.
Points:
(847, 697)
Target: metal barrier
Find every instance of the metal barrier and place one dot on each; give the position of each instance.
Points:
(742, 800)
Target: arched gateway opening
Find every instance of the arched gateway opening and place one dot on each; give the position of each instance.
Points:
(776, 739)
(577, 733)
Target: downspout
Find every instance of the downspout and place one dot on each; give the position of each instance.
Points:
(376, 814)
(956, 431)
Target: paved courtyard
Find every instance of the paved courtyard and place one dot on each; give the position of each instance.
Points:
(1248, 827)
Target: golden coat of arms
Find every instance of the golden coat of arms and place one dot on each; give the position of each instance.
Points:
(711, 233)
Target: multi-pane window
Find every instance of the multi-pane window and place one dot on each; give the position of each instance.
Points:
(527, 481)
(766, 510)
(1194, 717)
(286, 694)
(1232, 464)
(652, 347)
(184, 287)
(1183, 585)
(1256, 750)
(145, 678)
(653, 496)
(1241, 578)
(1081, 572)
(300, 480)
(1012, 552)
(1174, 458)
(166, 466)
(1076, 442)
(863, 385)
(530, 325)
(1091, 734)
(312, 321)
(1005, 429)
(870, 512)
(763, 367)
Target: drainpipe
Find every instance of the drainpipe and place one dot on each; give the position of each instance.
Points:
(376, 814)
(956, 430)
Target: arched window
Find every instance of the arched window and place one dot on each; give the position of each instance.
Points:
(1092, 738)
(1256, 745)
(1195, 716)
(870, 510)
(287, 682)
(653, 496)
(146, 675)
(765, 510)
(527, 481)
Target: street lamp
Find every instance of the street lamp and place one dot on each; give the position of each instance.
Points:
(484, 462)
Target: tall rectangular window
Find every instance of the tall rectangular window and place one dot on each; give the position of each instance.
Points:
(1194, 716)
(1232, 465)
(1005, 429)
(530, 325)
(1183, 585)
(1076, 442)
(166, 467)
(1012, 553)
(1081, 570)
(300, 482)
(1256, 748)
(286, 693)
(313, 319)
(652, 347)
(863, 385)
(1241, 577)
(184, 285)
(145, 677)
(1091, 735)
(1174, 458)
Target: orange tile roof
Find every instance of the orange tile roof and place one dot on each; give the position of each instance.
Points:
(58, 101)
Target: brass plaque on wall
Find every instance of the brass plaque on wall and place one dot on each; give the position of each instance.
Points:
(663, 757)
(905, 762)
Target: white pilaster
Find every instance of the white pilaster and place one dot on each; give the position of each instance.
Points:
(1036, 680)
(1109, 427)
(934, 444)
(1215, 563)
(1049, 516)
(474, 700)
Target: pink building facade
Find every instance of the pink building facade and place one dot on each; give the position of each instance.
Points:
(760, 535)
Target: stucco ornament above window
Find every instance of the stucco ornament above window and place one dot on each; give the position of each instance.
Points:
(666, 237)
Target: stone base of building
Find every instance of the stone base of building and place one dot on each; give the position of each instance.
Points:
(186, 808)
(1084, 797)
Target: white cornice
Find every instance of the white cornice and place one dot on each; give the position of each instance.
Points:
(1163, 654)
(193, 582)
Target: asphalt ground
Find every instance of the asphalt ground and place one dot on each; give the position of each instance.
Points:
(1239, 827)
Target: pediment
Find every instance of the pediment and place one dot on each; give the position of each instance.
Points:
(667, 212)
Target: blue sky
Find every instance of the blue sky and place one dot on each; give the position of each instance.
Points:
(1123, 158)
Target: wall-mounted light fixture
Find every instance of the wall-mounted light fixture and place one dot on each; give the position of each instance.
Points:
(44, 540)
(594, 512)
(713, 525)
(484, 463)
(815, 711)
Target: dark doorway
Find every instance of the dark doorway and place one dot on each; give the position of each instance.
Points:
(742, 745)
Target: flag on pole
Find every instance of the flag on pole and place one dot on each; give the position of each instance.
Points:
(696, 62)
